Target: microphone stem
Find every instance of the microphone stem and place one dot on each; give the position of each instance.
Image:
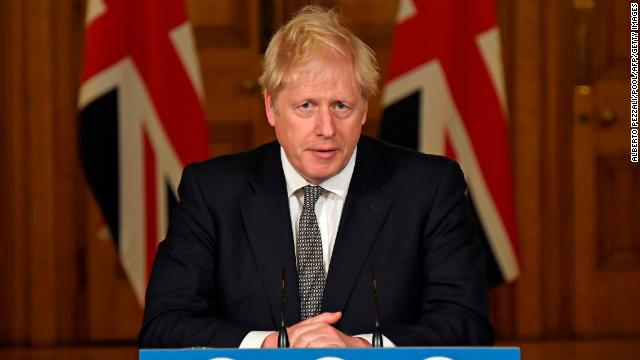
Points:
(283, 337)
(376, 339)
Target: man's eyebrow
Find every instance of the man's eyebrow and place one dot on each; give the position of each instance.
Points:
(302, 97)
(348, 100)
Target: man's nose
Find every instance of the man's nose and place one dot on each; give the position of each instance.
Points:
(324, 123)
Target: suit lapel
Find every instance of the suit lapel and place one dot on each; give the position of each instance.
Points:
(364, 212)
(267, 222)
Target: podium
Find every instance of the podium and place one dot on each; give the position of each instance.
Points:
(422, 353)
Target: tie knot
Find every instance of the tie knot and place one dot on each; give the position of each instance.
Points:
(311, 194)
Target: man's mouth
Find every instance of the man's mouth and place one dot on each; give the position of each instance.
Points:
(324, 153)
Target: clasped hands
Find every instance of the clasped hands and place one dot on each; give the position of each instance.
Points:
(317, 332)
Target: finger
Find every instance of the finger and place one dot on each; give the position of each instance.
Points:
(335, 317)
(326, 317)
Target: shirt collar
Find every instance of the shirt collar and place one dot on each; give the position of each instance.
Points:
(337, 184)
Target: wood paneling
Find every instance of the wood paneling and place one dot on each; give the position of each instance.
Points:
(12, 208)
(230, 70)
(220, 24)
(606, 278)
(230, 138)
(67, 201)
(619, 349)
(555, 171)
(40, 175)
(72, 353)
(523, 63)
(39, 84)
(617, 206)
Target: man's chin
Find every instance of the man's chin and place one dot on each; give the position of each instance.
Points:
(316, 177)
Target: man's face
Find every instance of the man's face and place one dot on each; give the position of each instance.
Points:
(318, 117)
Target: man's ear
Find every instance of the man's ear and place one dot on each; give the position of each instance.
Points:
(366, 108)
(268, 106)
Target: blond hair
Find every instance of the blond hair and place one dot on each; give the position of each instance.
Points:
(314, 31)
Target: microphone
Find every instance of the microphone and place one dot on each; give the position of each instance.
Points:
(376, 340)
(283, 337)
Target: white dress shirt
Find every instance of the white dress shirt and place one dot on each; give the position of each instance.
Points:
(328, 211)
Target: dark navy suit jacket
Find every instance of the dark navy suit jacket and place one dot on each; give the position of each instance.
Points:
(217, 275)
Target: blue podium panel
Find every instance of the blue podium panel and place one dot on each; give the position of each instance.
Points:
(433, 353)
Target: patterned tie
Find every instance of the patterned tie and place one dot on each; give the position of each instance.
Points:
(311, 274)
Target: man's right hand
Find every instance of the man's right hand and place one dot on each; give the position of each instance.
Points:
(327, 318)
(317, 332)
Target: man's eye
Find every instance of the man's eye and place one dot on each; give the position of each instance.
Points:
(306, 106)
(341, 106)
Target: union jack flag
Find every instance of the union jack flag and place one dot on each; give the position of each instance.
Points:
(445, 94)
(141, 120)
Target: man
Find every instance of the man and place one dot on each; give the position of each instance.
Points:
(327, 205)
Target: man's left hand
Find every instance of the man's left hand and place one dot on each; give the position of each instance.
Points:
(322, 334)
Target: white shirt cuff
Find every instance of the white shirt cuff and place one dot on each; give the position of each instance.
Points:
(385, 341)
(254, 339)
